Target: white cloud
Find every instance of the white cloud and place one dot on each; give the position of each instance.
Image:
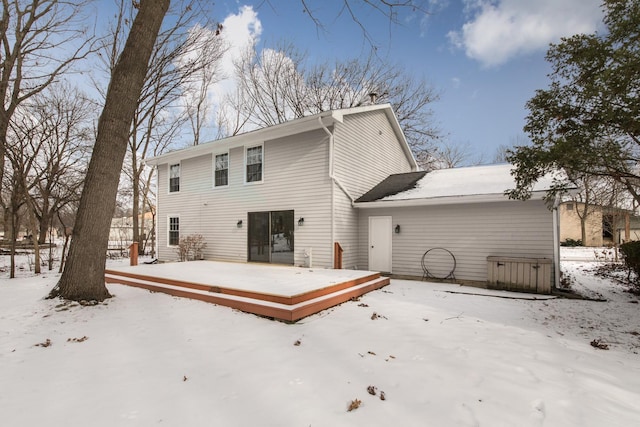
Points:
(239, 32)
(455, 82)
(434, 8)
(498, 30)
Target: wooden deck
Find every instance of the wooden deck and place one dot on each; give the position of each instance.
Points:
(283, 293)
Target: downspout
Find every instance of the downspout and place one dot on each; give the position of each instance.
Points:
(333, 231)
(331, 174)
(335, 181)
(556, 242)
(155, 227)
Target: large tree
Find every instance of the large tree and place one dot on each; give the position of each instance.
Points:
(64, 118)
(47, 148)
(184, 57)
(278, 85)
(587, 122)
(83, 276)
(40, 40)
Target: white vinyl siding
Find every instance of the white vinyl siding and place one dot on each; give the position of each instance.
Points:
(221, 170)
(366, 152)
(297, 179)
(472, 232)
(293, 175)
(254, 164)
(346, 228)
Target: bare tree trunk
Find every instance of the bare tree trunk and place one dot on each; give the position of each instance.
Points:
(153, 233)
(14, 233)
(33, 225)
(83, 276)
(43, 222)
(50, 261)
(8, 230)
(63, 255)
(135, 220)
(144, 237)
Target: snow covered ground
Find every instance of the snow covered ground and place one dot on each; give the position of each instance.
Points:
(440, 357)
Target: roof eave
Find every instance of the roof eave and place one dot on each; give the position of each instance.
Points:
(301, 125)
(444, 200)
(304, 124)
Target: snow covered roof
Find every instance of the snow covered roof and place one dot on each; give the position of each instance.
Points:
(450, 186)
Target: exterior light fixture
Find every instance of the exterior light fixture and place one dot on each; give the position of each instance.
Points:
(301, 221)
(239, 224)
(398, 229)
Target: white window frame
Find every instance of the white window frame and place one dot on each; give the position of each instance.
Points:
(244, 172)
(228, 169)
(169, 245)
(179, 164)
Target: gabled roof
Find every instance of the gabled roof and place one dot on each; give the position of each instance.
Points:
(448, 186)
(292, 127)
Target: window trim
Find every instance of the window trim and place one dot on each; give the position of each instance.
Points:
(169, 217)
(244, 173)
(179, 164)
(228, 169)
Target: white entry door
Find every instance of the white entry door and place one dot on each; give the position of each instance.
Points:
(380, 234)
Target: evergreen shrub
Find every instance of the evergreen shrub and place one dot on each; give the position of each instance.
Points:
(631, 257)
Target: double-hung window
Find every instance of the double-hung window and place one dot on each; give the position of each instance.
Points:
(254, 164)
(221, 170)
(174, 231)
(174, 178)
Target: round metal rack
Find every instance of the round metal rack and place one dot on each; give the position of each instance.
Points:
(425, 264)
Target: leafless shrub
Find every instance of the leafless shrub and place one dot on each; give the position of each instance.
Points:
(190, 247)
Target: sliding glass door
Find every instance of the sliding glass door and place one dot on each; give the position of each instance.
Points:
(259, 236)
(271, 237)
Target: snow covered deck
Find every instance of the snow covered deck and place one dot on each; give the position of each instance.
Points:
(284, 293)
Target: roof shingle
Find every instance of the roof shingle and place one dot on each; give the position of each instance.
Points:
(391, 185)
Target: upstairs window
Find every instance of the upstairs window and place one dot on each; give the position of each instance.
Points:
(221, 170)
(174, 178)
(174, 231)
(254, 164)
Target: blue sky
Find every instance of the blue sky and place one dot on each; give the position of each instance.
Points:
(485, 57)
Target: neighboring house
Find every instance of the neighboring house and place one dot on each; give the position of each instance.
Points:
(570, 225)
(604, 225)
(288, 193)
(121, 232)
(628, 230)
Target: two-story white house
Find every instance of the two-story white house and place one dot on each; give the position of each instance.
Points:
(283, 194)
(287, 194)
